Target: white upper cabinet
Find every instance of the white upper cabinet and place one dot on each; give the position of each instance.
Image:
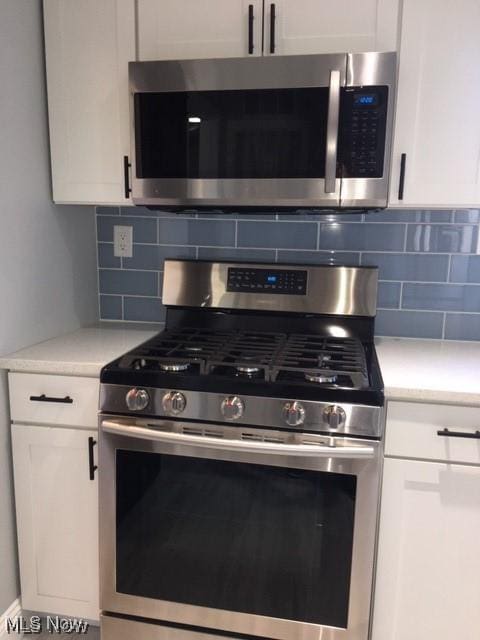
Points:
(330, 26)
(88, 47)
(183, 29)
(428, 568)
(437, 120)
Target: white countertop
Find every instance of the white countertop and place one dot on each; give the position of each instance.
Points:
(413, 370)
(430, 370)
(81, 353)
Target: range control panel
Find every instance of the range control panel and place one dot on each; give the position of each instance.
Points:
(291, 282)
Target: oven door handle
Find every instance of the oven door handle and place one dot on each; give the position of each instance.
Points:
(231, 444)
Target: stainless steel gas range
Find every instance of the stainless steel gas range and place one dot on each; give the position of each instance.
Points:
(240, 459)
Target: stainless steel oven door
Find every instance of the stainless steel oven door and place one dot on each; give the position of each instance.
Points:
(234, 529)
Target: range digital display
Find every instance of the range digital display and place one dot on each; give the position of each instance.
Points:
(248, 280)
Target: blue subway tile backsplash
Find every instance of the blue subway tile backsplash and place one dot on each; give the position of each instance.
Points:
(429, 261)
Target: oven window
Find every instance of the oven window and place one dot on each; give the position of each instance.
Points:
(262, 133)
(241, 537)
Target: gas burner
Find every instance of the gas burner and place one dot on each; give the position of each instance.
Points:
(320, 378)
(174, 367)
(248, 371)
(193, 348)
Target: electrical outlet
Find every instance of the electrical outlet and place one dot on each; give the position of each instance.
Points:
(122, 241)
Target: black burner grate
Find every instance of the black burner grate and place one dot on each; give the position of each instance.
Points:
(296, 358)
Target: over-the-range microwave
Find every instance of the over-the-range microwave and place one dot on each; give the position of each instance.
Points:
(273, 133)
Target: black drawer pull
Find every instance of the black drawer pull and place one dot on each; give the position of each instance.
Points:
(459, 434)
(91, 466)
(250, 29)
(401, 185)
(44, 398)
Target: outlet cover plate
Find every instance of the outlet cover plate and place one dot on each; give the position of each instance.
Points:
(122, 241)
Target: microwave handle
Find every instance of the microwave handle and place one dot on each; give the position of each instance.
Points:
(246, 446)
(332, 132)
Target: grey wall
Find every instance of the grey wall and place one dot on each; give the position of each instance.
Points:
(48, 281)
(429, 262)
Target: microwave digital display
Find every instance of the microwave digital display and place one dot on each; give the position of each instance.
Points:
(365, 100)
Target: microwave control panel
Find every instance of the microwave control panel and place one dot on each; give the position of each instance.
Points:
(363, 118)
(246, 280)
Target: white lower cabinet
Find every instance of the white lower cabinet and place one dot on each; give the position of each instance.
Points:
(428, 570)
(57, 519)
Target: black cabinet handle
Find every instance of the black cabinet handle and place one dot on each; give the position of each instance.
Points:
(92, 467)
(272, 28)
(126, 176)
(459, 434)
(250, 29)
(44, 398)
(401, 184)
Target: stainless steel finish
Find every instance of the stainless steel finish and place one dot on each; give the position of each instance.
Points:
(238, 439)
(293, 413)
(367, 69)
(174, 402)
(232, 408)
(332, 132)
(251, 192)
(362, 420)
(262, 73)
(350, 291)
(123, 629)
(367, 471)
(137, 399)
(334, 416)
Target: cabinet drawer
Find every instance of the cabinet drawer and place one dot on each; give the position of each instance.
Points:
(48, 399)
(412, 432)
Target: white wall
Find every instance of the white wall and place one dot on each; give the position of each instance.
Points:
(47, 254)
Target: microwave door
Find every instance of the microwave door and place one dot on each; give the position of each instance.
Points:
(271, 141)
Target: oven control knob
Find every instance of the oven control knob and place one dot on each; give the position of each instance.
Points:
(137, 399)
(293, 413)
(174, 402)
(232, 408)
(334, 416)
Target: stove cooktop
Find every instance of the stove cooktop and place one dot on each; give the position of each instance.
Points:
(276, 364)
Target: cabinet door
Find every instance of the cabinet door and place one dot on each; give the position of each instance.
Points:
(183, 29)
(331, 26)
(88, 46)
(428, 570)
(437, 124)
(57, 520)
